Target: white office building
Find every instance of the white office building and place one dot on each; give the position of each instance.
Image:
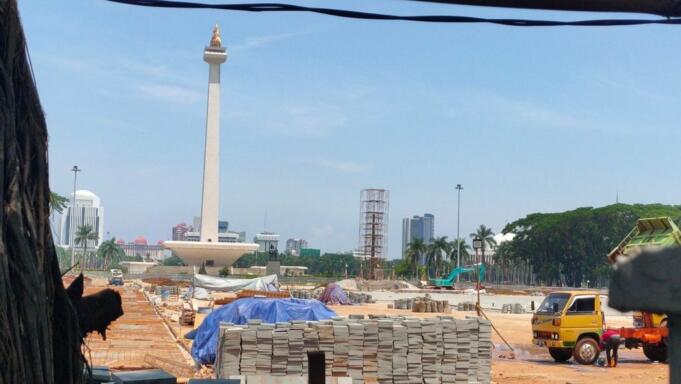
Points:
(88, 211)
(265, 240)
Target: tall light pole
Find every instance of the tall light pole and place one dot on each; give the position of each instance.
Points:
(477, 245)
(459, 188)
(72, 226)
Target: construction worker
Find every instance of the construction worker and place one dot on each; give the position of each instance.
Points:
(610, 341)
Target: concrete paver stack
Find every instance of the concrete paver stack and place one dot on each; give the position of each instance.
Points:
(385, 351)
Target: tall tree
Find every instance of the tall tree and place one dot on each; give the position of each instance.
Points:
(569, 248)
(487, 236)
(83, 234)
(459, 245)
(436, 252)
(110, 253)
(40, 339)
(414, 253)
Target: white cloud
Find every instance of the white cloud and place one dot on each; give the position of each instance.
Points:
(260, 41)
(170, 93)
(623, 87)
(342, 166)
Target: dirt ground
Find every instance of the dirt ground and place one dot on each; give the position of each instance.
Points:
(532, 364)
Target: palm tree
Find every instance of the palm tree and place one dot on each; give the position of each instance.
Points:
(464, 250)
(414, 251)
(438, 248)
(110, 252)
(487, 236)
(83, 234)
(57, 202)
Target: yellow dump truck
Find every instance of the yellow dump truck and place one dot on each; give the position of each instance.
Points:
(570, 324)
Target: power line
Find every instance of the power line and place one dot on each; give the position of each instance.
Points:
(276, 7)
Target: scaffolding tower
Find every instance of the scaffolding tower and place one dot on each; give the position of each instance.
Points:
(373, 228)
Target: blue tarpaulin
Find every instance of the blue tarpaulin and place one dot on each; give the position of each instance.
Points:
(240, 311)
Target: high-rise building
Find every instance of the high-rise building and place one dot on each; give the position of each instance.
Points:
(182, 232)
(417, 227)
(265, 240)
(373, 227)
(293, 246)
(223, 225)
(179, 232)
(88, 210)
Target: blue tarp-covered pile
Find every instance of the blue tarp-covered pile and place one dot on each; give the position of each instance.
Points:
(240, 311)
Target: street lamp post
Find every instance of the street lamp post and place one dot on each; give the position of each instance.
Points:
(72, 227)
(459, 188)
(477, 245)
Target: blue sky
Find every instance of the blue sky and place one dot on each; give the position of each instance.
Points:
(316, 108)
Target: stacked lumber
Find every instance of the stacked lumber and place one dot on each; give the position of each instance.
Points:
(268, 294)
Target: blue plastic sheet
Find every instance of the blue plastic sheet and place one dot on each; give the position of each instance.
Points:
(240, 311)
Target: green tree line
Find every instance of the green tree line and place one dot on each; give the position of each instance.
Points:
(569, 248)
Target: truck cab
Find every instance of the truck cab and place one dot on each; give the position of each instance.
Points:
(569, 324)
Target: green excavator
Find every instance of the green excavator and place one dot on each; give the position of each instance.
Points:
(449, 281)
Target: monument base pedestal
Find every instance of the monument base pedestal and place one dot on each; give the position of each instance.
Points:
(273, 268)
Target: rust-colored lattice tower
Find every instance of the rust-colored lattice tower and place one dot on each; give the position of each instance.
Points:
(373, 228)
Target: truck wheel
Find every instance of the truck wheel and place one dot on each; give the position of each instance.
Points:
(655, 352)
(586, 351)
(560, 355)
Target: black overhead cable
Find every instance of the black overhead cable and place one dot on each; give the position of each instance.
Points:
(276, 7)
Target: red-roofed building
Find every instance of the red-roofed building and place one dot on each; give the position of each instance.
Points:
(140, 248)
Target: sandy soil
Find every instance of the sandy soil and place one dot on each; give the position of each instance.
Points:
(532, 364)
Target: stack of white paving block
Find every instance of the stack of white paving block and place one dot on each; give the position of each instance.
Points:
(326, 341)
(385, 351)
(263, 363)
(414, 351)
(279, 350)
(355, 352)
(484, 351)
(400, 345)
(370, 352)
(341, 348)
(296, 348)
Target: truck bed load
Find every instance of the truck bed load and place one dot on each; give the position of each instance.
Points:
(648, 232)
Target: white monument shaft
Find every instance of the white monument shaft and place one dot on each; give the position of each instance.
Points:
(214, 56)
(209, 250)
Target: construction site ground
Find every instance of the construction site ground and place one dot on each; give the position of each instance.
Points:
(141, 336)
(137, 340)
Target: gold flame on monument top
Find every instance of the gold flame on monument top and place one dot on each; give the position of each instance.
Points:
(215, 40)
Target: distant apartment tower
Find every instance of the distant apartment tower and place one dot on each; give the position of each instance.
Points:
(266, 240)
(179, 232)
(373, 227)
(223, 226)
(88, 210)
(193, 233)
(417, 227)
(293, 246)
